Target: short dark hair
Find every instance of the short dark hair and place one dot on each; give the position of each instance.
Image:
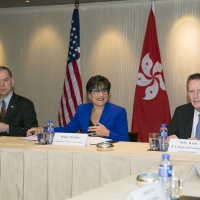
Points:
(5, 68)
(95, 81)
(192, 77)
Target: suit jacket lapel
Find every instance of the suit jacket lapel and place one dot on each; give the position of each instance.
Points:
(86, 117)
(11, 107)
(189, 122)
(106, 114)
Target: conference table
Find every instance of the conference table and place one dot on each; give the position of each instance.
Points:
(119, 190)
(30, 171)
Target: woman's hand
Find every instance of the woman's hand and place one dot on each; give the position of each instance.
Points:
(34, 131)
(100, 130)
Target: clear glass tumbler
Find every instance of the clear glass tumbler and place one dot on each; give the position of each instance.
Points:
(154, 141)
(42, 136)
(176, 184)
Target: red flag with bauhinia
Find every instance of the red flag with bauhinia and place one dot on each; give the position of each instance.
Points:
(151, 105)
(72, 90)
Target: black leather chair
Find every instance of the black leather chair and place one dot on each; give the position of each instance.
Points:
(133, 136)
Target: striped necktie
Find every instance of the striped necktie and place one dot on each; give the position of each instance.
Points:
(198, 129)
(3, 110)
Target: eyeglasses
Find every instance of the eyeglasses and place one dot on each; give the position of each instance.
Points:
(193, 92)
(96, 91)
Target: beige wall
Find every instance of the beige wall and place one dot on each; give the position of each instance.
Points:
(34, 45)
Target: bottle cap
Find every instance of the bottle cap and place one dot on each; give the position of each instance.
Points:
(50, 121)
(165, 156)
(163, 124)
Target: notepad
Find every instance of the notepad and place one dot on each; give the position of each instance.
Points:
(30, 138)
(96, 140)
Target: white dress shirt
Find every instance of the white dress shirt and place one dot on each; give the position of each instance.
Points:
(195, 122)
(7, 100)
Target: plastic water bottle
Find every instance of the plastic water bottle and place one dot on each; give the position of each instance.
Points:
(50, 132)
(163, 138)
(165, 173)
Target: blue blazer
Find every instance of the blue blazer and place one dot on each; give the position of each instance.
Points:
(113, 117)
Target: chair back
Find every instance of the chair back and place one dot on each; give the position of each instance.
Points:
(133, 136)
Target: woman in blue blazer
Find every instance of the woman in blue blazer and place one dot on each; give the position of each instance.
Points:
(99, 117)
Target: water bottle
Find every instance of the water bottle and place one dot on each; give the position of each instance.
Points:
(163, 138)
(50, 132)
(165, 173)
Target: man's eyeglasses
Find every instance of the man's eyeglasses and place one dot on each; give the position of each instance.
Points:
(96, 91)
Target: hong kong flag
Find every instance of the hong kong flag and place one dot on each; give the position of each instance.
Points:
(151, 105)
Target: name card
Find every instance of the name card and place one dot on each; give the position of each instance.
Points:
(151, 191)
(184, 146)
(71, 139)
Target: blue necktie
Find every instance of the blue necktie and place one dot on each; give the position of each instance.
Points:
(198, 129)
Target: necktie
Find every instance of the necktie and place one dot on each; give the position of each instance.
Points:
(198, 129)
(3, 110)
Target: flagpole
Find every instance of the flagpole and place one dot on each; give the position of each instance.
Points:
(76, 5)
(153, 6)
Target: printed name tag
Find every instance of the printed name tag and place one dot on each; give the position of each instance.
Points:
(151, 191)
(184, 146)
(71, 139)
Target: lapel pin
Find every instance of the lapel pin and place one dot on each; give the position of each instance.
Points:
(12, 106)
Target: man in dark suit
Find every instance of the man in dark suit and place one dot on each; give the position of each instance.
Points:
(185, 123)
(17, 113)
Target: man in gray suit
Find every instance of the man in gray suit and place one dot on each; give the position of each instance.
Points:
(17, 114)
(184, 124)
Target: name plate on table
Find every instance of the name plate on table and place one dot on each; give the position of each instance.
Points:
(71, 139)
(151, 191)
(184, 146)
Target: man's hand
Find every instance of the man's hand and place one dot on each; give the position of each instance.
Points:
(4, 127)
(193, 138)
(34, 131)
(171, 136)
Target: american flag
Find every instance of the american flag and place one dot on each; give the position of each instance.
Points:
(72, 95)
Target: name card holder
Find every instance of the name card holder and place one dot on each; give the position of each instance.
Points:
(151, 191)
(71, 139)
(184, 146)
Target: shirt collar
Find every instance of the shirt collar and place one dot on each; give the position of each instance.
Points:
(7, 99)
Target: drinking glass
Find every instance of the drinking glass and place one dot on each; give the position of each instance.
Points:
(42, 136)
(154, 141)
(176, 184)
